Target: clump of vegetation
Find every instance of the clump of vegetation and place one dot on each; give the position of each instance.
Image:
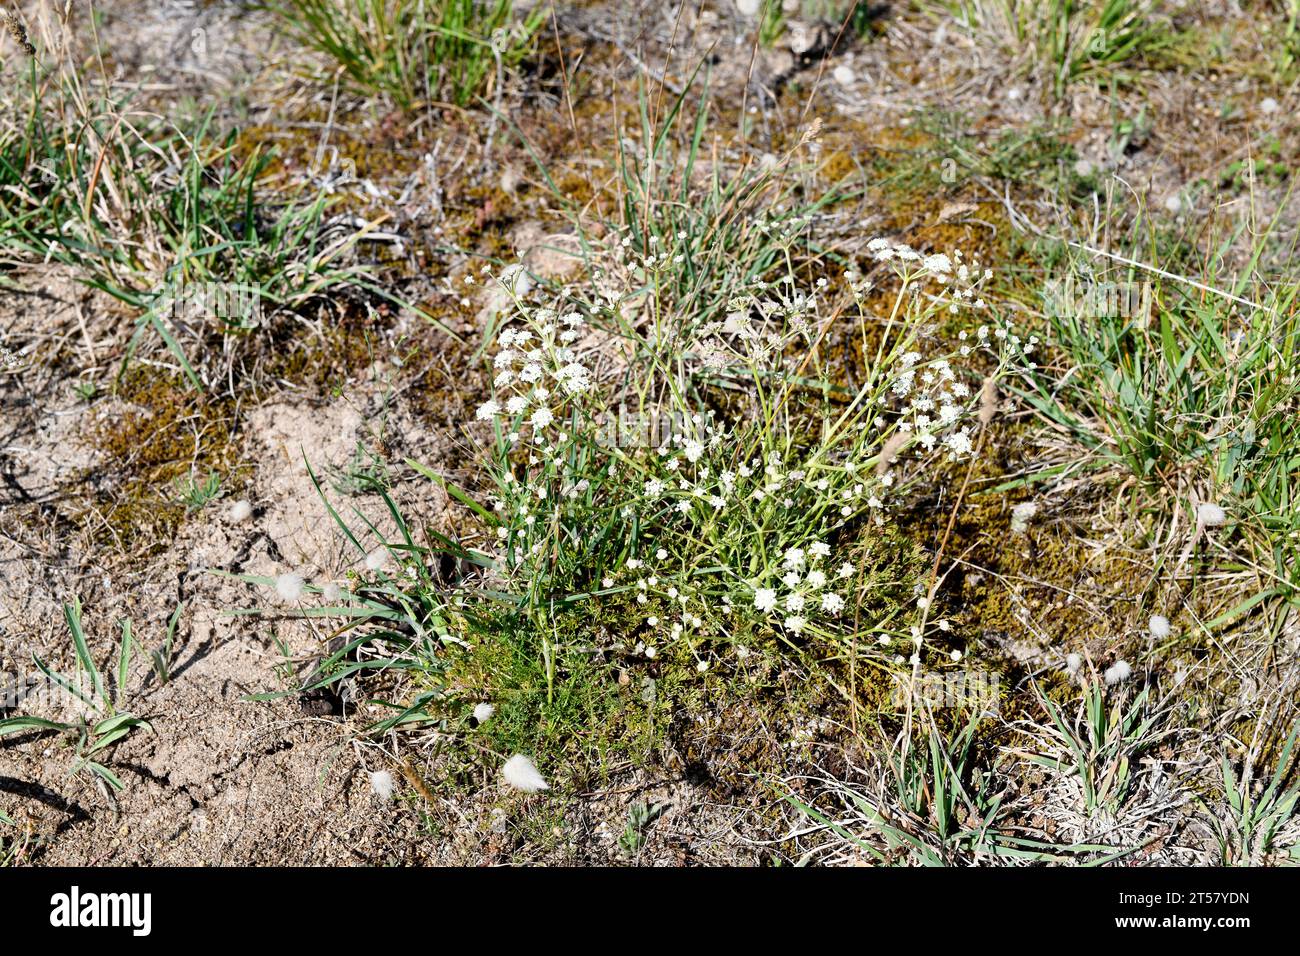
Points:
(103, 722)
(1064, 41)
(418, 52)
(739, 491)
(1186, 383)
(167, 217)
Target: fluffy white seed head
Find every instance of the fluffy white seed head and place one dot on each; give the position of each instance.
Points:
(240, 511)
(749, 8)
(376, 559)
(522, 774)
(289, 586)
(1119, 671)
(382, 784)
(333, 593)
(1159, 625)
(1021, 515)
(483, 711)
(1210, 515)
(1073, 662)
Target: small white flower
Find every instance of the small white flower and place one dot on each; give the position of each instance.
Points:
(765, 599)
(1119, 671)
(1159, 625)
(832, 603)
(794, 623)
(240, 511)
(382, 784)
(289, 586)
(483, 711)
(487, 411)
(542, 417)
(522, 774)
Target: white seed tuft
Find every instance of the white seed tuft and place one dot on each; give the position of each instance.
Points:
(1021, 515)
(382, 784)
(1073, 662)
(1210, 515)
(240, 511)
(1119, 671)
(522, 774)
(1159, 625)
(289, 586)
(484, 711)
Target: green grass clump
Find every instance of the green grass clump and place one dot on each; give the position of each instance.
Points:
(103, 722)
(1067, 41)
(167, 218)
(418, 52)
(1188, 384)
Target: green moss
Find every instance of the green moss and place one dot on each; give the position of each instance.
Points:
(166, 432)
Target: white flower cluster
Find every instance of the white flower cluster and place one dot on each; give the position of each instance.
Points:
(963, 280)
(759, 328)
(539, 367)
(935, 398)
(808, 586)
